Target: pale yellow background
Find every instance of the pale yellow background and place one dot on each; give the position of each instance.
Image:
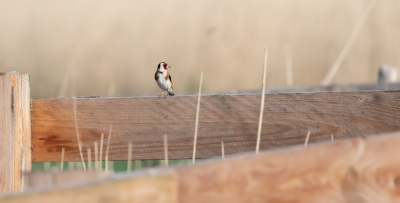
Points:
(121, 42)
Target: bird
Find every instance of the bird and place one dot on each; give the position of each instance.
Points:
(164, 80)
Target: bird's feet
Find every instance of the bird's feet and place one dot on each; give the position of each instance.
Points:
(166, 95)
(162, 94)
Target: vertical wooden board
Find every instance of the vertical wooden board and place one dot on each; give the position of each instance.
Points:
(155, 188)
(6, 139)
(22, 126)
(15, 129)
(310, 175)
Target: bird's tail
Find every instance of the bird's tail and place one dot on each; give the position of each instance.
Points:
(171, 93)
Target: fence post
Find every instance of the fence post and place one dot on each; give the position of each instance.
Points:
(15, 130)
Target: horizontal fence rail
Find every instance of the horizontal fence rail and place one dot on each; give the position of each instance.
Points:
(232, 119)
(357, 170)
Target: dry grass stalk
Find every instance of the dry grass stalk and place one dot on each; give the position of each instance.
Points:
(96, 157)
(62, 159)
(289, 69)
(262, 102)
(68, 73)
(129, 157)
(223, 150)
(78, 137)
(197, 119)
(101, 152)
(332, 138)
(308, 137)
(332, 72)
(166, 150)
(108, 147)
(89, 156)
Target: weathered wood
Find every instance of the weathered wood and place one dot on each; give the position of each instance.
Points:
(307, 175)
(375, 176)
(15, 129)
(155, 187)
(22, 126)
(229, 118)
(358, 170)
(6, 135)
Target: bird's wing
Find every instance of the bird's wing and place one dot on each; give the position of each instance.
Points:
(172, 84)
(156, 76)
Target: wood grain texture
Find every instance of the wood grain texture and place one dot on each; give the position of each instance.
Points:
(305, 175)
(229, 118)
(375, 176)
(362, 171)
(15, 127)
(22, 126)
(6, 134)
(156, 187)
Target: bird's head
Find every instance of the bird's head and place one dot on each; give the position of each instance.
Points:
(162, 67)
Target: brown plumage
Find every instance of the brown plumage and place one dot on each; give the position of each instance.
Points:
(156, 76)
(167, 76)
(164, 79)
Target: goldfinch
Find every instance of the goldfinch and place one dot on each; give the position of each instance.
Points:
(164, 80)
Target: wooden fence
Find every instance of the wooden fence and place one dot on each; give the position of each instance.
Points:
(346, 171)
(357, 170)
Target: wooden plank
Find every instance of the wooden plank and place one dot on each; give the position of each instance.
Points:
(306, 175)
(154, 187)
(6, 137)
(345, 171)
(229, 118)
(358, 170)
(375, 176)
(15, 127)
(22, 126)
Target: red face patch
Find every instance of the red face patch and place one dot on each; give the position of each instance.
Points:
(165, 66)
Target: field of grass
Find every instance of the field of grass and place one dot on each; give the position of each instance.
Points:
(113, 47)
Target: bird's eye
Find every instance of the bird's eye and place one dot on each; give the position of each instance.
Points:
(165, 65)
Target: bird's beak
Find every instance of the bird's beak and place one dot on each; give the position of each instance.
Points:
(169, 66)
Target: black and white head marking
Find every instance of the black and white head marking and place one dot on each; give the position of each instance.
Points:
(162, 66)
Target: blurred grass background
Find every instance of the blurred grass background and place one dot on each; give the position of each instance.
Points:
(115, 166)
(112, 48)
(115, 46)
